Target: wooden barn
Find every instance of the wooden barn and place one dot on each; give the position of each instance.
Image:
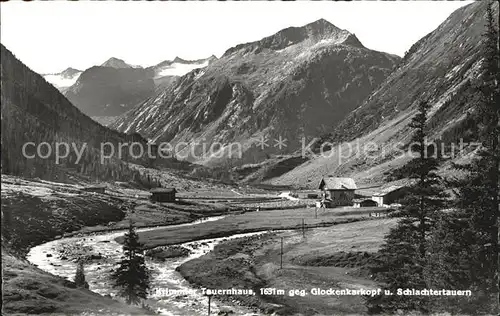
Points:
(389, 195)
(337, 191)
(163, 194)
(368, 203)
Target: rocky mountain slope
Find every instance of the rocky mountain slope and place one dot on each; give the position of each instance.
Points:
(115, 86)
(110, 91)
(299, 82)
(64, 79)
(441, 68)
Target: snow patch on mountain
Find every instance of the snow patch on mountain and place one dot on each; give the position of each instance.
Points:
(60, 82)
(179, 69)
(63, 79)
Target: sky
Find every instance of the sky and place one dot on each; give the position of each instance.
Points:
(51, 36)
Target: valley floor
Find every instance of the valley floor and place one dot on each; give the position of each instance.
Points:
(253, 222)
(36, 211)
(331, 257)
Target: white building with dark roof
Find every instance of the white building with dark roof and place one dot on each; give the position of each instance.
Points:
(337, 191)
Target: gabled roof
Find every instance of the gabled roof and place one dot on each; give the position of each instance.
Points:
(333, 183)
(389, 189)
(163, 190)
(393, 186)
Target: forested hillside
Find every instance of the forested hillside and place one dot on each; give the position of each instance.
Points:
(35, 111)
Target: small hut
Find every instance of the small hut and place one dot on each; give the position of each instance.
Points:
(163, 194)
(391, 194)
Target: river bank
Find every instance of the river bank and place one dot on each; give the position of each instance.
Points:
(59, 256)
(170, 293)
(36, 211)
(33, 212)
(68, 222)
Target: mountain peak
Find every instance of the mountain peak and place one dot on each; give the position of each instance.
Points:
(177, 59)
(69, 72)
(114, 62)
(319, 30)
(321, 23)
(323, 29)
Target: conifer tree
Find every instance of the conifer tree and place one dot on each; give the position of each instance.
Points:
(404, 254)
(491, 137)
(426, 196)
(465, 245)
(132, 275)
(80, 276)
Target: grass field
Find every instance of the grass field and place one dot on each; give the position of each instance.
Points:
(255, 263)
(251, 222)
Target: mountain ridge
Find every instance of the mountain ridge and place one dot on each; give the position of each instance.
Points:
(112, 88)
(314, 31)
(110, 91)
(253, 89)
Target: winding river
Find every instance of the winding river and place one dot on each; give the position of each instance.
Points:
(51, 257)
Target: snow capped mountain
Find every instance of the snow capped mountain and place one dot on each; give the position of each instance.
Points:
(115, 86)
(63, 79)
(179, 67)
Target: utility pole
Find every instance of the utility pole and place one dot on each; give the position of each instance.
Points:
(303, 229)
(497, 162)
(281, 254)
(209, 299)
(316, 209)
(498, 159)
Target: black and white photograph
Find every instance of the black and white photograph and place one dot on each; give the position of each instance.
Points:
(250, 158)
